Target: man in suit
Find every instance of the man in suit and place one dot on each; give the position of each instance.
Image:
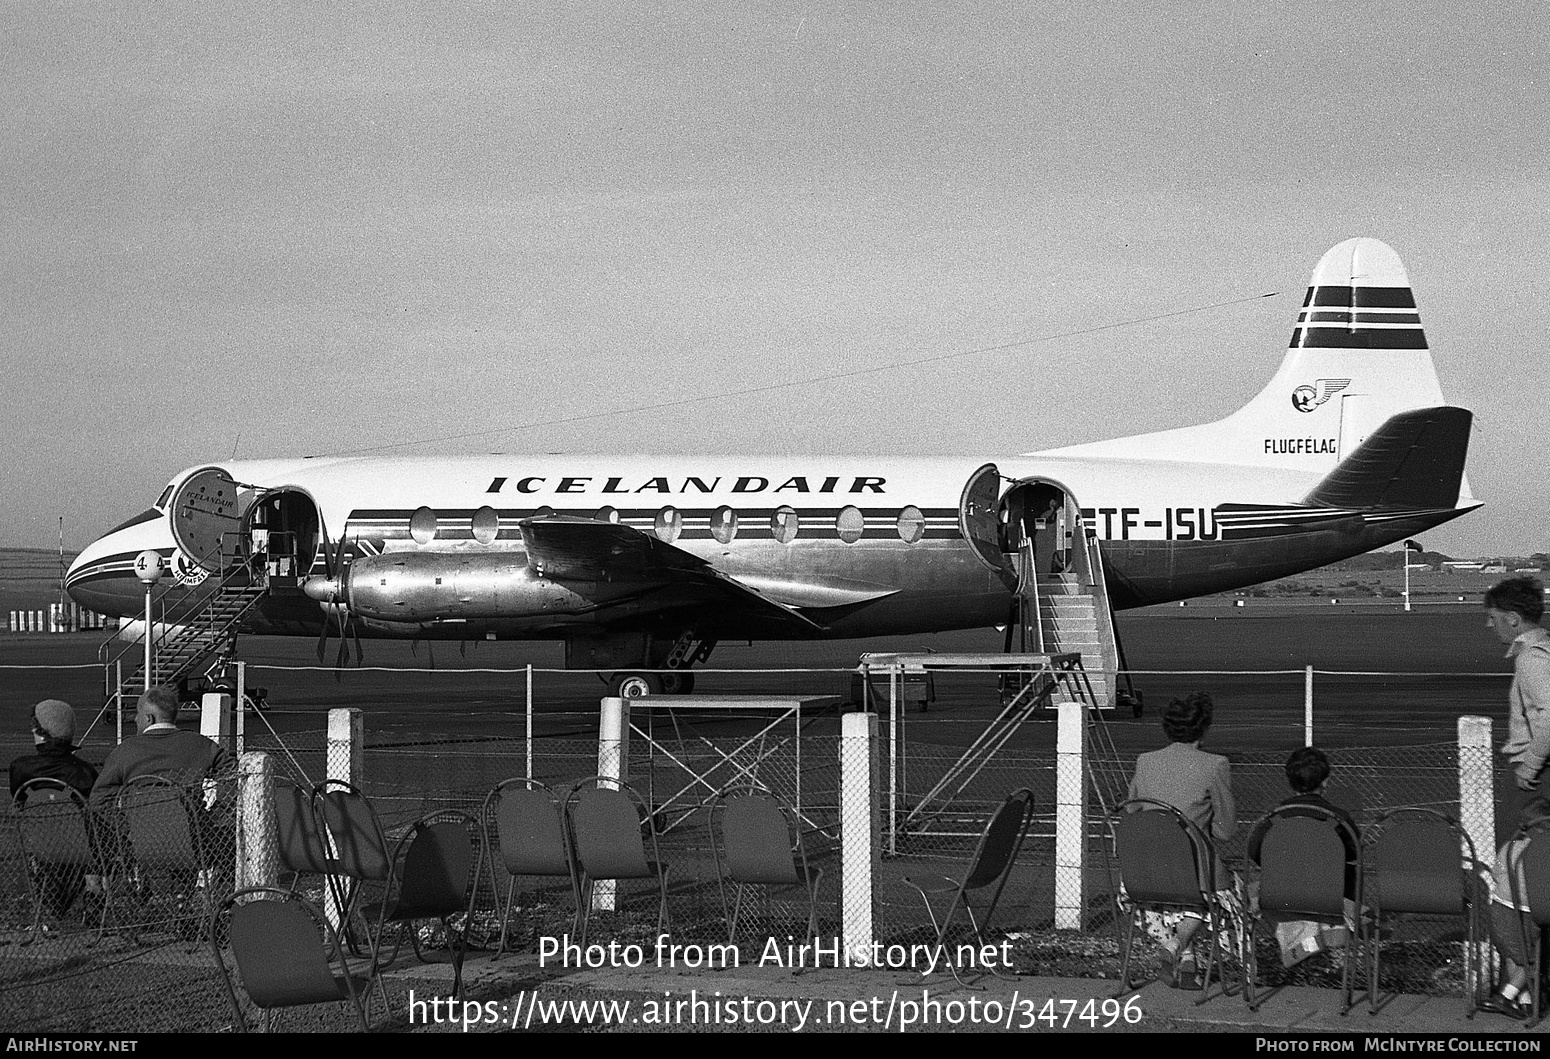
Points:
(161, 749)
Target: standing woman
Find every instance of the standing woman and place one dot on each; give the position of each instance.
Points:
(1199, 785)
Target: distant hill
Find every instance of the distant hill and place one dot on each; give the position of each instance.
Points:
(29, 579)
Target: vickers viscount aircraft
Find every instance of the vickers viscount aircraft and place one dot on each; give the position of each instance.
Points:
(642, 563)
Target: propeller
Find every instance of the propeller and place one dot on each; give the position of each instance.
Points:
(329, 592)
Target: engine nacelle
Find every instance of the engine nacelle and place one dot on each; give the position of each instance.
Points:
(432, 586)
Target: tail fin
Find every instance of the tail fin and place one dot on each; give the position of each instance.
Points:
(1414, 461)
(1357, 358)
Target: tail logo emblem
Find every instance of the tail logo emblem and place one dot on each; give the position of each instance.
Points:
(1307, 398)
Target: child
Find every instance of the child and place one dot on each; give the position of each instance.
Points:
(1307, 772)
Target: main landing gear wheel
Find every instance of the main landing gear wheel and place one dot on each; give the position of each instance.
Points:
(635, 685)
(677, 683)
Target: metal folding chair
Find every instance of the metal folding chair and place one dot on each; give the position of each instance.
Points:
(166, 839)
(991, 864)
(1420, 862)
(1529, 878)
(287, 954)
(301, 842)
(605, 817)
(524, 827)
(432, 875)
(59, 842)
(1166, 865)
(753, 842)
(360, 849)
(1302, 877)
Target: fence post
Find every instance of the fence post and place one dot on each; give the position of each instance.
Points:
(257, 856)
(895, 677)
(1477, 809)
(1307, 706)
(346, 745)
(345, 761)
(528, 710)
(215, 719)
(242, 707)
(1071, 816)
(613, 761)
(858, 830)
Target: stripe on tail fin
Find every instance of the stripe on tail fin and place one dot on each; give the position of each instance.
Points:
(1359, 298)
(1415, 460)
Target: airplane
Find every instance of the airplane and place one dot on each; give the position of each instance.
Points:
(640, 564)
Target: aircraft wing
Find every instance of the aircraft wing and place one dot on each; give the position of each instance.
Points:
(586, 550)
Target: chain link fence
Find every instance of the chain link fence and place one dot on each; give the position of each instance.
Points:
(103, 931)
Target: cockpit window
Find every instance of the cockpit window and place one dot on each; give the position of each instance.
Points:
(166, 494)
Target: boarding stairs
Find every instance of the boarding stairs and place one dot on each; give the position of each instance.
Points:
(1069, 613)
(199, 642)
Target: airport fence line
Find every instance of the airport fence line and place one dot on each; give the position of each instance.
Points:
(55, 972)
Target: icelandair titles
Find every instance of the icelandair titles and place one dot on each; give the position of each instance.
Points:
(746, 484)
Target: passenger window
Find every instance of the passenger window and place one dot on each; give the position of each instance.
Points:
(486, 525)
(850, 524)
(422, 525)
(723, 525)
(783, 524)
(912, 525)
(670, 523)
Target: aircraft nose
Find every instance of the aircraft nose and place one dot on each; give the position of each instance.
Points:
(102, 577)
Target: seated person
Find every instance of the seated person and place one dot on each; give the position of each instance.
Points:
(160, 748)
(55, 758)
(163, 749)
(1307, 772)
(1511, 925)
(1199, 785)
(53, 732)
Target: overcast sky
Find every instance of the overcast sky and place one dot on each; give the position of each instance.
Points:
(280, 229)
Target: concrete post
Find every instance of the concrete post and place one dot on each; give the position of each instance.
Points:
(859, 832)
(1477, 804)
(1307, 706)
(613, 761)
(347, 745)
(258, 858)
(346, 761)
(1071, 816)
(217, 719)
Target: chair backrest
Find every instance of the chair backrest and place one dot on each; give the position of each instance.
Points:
(47, 788)
(435, 866)
(1416, 862)
(755, 838)
(161, 818)
(1164, 858)
(300, 842)
(1534, 862)
(360, 844)
(529, 828)
(283, 948)
(55, 823)
(1001, 840)
(1302, 863)
(606, 827)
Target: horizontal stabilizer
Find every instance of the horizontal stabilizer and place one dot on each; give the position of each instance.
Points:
(1415, 460)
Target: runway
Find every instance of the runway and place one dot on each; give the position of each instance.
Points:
(1385, 678)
